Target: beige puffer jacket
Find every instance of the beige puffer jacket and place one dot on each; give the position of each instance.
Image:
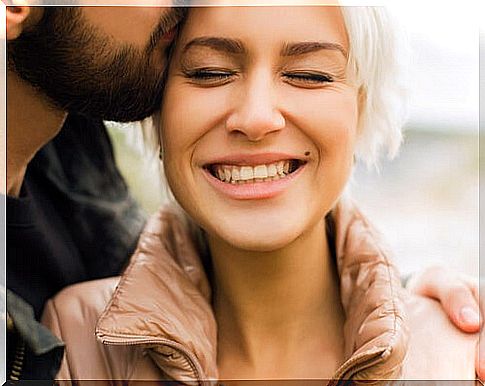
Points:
(156, 322)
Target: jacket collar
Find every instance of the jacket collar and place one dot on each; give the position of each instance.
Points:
(175, 321)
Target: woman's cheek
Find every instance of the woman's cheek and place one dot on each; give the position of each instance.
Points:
(173, 122)
(340, 152)
(179, 123)
(342, 118)
(191, 112)
(336, 136)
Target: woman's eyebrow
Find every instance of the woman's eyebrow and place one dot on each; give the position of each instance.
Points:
(231, 46)
(301, 48)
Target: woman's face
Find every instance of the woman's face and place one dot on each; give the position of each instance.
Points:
(259, 121)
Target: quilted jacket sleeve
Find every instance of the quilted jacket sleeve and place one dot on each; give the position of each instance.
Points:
(51, 320)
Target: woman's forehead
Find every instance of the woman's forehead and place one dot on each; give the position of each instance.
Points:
(268, 24)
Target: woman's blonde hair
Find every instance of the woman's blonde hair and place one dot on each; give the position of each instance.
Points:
(378, 59)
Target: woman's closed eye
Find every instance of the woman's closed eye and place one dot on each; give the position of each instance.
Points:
(217, 76)
(307, 79)
(208, 76)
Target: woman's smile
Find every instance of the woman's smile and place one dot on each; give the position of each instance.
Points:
(253, 177)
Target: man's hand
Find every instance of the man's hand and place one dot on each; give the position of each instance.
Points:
(458, 294)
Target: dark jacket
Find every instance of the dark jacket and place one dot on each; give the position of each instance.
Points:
(75, 220)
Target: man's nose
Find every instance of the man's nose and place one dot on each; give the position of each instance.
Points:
(256, 114)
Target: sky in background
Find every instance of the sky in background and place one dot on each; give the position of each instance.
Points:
(444, 71)
(426, 201)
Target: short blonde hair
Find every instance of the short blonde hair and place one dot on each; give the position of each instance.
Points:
(378, 57)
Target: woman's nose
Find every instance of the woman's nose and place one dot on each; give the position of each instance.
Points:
(256, 114)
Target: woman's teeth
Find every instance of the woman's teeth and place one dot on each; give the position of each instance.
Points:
(250, 174)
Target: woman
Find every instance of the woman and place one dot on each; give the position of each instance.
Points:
(272, 273)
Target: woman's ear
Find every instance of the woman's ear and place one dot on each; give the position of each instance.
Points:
(16, 20)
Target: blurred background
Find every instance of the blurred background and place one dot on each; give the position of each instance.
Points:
(426, 200)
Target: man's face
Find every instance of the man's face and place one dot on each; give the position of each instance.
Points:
(106, 62)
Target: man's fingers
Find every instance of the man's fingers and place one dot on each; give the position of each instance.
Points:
(462, 308)
(457, 294)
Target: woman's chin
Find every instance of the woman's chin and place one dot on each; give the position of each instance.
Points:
(256, 228)
(258, 238)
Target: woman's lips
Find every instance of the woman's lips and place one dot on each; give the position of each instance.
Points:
(254, 187)
(254, 159)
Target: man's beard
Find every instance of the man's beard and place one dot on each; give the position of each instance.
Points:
(84, 71)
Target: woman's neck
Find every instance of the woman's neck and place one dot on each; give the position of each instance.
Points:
(278, 313)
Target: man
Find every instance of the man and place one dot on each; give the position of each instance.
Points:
(69, 214)
(98, 61)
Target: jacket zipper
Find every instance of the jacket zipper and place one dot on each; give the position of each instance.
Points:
(18, 362)
(187, 355)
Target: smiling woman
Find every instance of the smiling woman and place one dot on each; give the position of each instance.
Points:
(268, 272)
(279, 94)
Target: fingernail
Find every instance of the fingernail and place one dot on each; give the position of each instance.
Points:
(469, 316)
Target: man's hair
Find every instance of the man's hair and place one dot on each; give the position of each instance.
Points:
(377, 58)
(82, 69)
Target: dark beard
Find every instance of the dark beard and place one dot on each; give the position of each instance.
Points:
(84, 71)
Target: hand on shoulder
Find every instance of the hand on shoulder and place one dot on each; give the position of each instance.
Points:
(437, 349)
